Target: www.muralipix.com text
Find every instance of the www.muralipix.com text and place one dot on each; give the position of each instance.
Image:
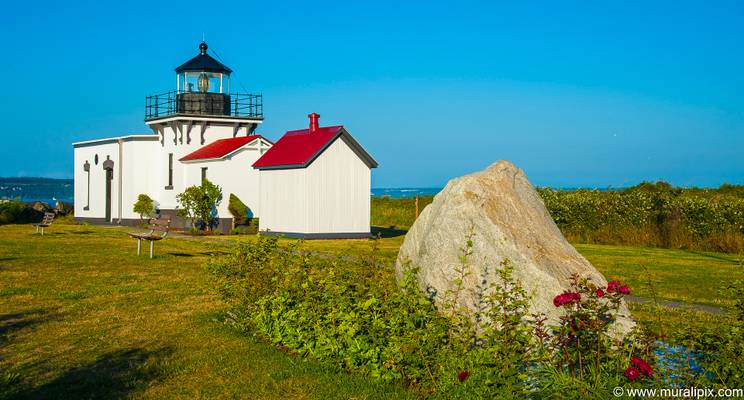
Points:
(690, 392)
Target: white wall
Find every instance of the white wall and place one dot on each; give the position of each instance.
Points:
(182, 177)
(233, 174)
(338, 191)
(138, 174)
(283, 200)
(97, 204)
(331, 195)
(137, 158)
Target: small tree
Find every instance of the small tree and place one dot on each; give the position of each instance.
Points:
(144, 206)
(199, 203)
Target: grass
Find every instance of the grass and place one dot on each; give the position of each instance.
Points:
(675, 275)
(672, 275)
(82, 316)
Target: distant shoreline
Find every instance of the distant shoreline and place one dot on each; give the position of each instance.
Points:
(49, 190)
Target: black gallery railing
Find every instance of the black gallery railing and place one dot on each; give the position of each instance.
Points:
(241, 105)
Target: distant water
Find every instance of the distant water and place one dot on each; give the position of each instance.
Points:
(398, 193)
(37, 189)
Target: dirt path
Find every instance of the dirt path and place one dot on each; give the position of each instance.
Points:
(677, 304)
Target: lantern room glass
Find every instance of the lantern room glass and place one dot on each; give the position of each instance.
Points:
(211, 82)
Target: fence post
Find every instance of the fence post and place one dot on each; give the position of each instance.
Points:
(417, 207)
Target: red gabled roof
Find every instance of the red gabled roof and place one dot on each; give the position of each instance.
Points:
(296, 149)
(220, 148)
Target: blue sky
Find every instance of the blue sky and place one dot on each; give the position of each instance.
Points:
(576, 93)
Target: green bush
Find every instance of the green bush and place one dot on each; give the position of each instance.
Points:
(354, 316)
(238, 209)
(199, 204)
(144, 206)
(651, 215)
(17, 212)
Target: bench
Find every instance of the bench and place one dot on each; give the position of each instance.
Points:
(46, 222)
(159, 225)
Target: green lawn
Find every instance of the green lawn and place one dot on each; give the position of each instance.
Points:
(674, 275)
(677, 275)
(82, 316)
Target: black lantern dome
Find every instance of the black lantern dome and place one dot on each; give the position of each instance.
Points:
(203, 62)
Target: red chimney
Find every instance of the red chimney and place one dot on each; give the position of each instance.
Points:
(313, 121)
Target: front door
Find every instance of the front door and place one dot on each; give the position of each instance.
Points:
(109, 178)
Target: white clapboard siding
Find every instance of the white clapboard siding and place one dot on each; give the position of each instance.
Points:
(338, 191)
(330, 196)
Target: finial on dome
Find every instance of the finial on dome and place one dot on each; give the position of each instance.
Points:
(203, 47)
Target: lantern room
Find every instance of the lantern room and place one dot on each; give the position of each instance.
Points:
(203, 90)
(203, 74)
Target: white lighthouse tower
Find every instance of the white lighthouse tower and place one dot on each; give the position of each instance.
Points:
(199, 130)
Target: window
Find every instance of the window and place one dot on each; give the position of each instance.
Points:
(204, 174)
(170, 171)
(86, 168)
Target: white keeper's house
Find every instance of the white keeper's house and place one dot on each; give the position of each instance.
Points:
(312, 183)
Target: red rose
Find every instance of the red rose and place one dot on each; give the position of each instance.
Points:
(600, 293)
(642, 366)
(566, 298)
(632, 373)
(624, 289)
(612, 286)
(462, 375)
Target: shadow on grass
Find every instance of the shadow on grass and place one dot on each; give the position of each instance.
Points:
(387, 232)
(82, 232)
(201, 253)
(114, 375)
(13, 322)
(731, 259)
(8, 258)
(213, 253)
(181, 254)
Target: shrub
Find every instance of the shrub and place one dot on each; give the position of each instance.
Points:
(199, 204)
(11, 211)
(353, 316)
(17, 212)
(651, 215)
(238, 209)
(144, 206)
(721, 347)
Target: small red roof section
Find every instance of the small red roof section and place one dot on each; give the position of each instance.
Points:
(220, 148)
(297, 149)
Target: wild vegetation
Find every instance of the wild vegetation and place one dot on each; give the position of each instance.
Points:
(652, 215)
(351, 315)
(649, 214)
(18, 212)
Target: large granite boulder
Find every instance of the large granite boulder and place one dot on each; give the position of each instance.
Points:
(508, 219)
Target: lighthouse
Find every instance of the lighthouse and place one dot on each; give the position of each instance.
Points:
(313, 183)
(200, 130)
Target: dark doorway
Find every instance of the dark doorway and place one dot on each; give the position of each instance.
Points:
(109, 178)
